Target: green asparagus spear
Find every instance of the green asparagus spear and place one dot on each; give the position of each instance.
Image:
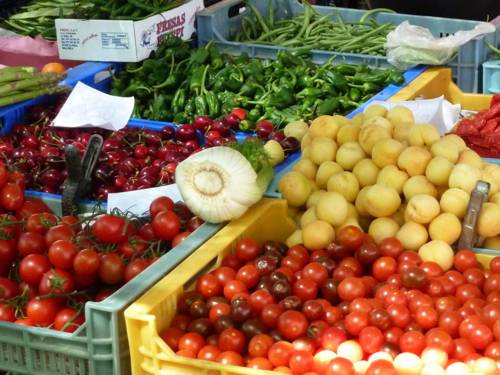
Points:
(33, 81)
(32, 94)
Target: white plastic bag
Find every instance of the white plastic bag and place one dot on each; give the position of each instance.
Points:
(409, 45)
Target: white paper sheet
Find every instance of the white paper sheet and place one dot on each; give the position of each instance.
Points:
(138, 201)
(438, 112)
(88, 107)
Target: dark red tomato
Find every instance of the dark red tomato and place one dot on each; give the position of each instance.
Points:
(232, 339)
(42, 311)
(260, 299)
(133, 246)
(231, 261)
(381, 367)
(209, 353)
(233, 288)
(313, 310)
(194, 223)
(160, 204)
(86, 262)
(56, 281)
(191, 341)
(224, 275)
(110, 229)
(259, 345)
(8, 251)
(305, 289)
(4, 174)
(230, 359)
(247, 249)
(11, 197)
(111, 269)
(221, 309)
(62, 253)
(332, 337)
(147, 232)
(293, 263)
(412, 342)
(84, 281)
(300, 362)
(103, 294)
(300, 252)
(315, 272)
(171, 336)
(340, 365)
(410, 257)
(384, 267)
(10, 228)
(437, 338)
(179, 237)
(350, 237)
(249, 275)
(208, 286)
(68, 320)
(431, 269)
(465, 259)
(351, 288)
(166, 225)
(279, 354)
(400, 315)
(40, 222)
(30, 243)
(270, 314)
(58, 232)
(72, 221)
(134, 268)
(8, 288)
(30, 207)
(33, 267)
(391, 247)
(292, 324)
(371, 339)
(7, 312)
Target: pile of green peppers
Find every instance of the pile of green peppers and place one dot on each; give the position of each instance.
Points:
(178, 83)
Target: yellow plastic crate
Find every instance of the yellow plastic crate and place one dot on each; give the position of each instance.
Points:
(154, 311)
(435, 82)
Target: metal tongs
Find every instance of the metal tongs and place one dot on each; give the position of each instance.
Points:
(80, 173)
(469, 238)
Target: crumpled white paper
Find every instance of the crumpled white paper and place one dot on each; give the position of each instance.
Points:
(438, 112)
(88, 107)
(138, 201)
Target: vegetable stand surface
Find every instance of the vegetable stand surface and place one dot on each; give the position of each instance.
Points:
(223, 21)
(155, 310)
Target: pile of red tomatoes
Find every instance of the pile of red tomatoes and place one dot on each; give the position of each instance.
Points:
(355, 307)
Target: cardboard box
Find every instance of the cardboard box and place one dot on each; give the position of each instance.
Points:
(123, 41)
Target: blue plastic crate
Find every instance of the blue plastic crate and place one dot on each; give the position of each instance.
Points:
(383, 95)
(491, 77)
(97, 75)
(222, 21)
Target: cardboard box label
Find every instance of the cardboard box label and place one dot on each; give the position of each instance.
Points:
(123, 41)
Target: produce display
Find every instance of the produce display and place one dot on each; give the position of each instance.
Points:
(382, 172)
(495, 51)
(50, 266)
(351, 307)
(312, 30)
(22, 83)
(178, 82)
(481, 132)
(38, 16)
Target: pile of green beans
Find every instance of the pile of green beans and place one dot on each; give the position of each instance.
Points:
(131, 9)
(311, 30)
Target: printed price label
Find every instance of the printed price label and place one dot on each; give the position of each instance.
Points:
(115, 40)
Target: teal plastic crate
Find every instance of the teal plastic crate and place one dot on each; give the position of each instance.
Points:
(491, 77)
(223, 20)
(99, 346)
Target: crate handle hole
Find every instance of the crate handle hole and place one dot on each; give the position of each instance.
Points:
(236, 10)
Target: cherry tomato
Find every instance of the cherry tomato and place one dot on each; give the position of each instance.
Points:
(86, 262)
(305, 289)
(191, 341)
(166, 225)
(27, 322)
(480, 336)
(68, 320)
(381, 367)
(31, 206)
(231, 261)
(40, 222)
(339, 365)
(247, 249)
(260, 299)
(300, 362)
(351, 288)
(495, 264)
(186, 354)
(133, 246)
(111, 269)
(160, 204)
(400, 315)
(58, 232)
(231, 339)
(279, 354)
(172, 336)
(62, 253)
(332, 337)
(315, 272)
(42, 311)
(371, 339)
(426, 317)
(11, 197)
(56, 281)
(249, 275)
(209, 353)
(474, 276)
(233, 288)
(180, 237)
(391, 247)
(412, 342)
(292, 324)
(224, 274)
(259, 345)
(208, 286)
(449, 321)
(465, 259)
(8, 288)
(231, 359)
(356, 321)
(110, 229)
(437, 338)
(384, 267)
(350, 237)
(134, 268)
(259, 363)
(7, 312)
(270, 314)
(30, 243)
(431, 269)
(462, 349)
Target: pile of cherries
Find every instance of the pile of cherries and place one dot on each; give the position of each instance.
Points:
(50, 266)
(354, 307)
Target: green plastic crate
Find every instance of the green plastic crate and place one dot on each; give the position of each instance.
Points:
(99, 346)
